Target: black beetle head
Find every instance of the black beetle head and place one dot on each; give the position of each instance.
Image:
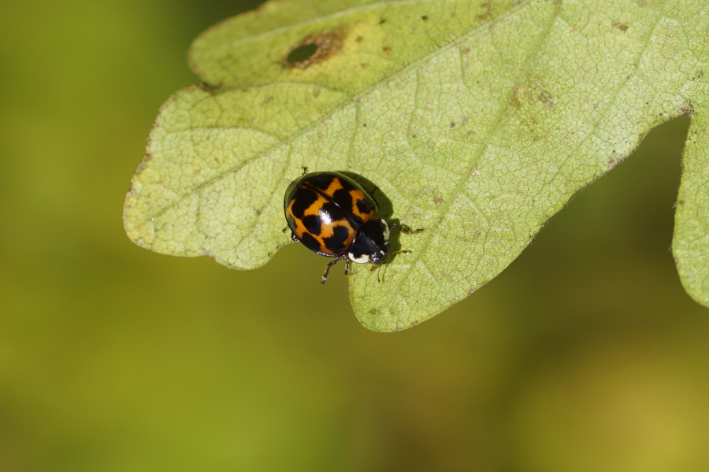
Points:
(371, 243)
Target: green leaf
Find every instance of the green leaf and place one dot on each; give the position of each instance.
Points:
(690, 243)
(477, 120)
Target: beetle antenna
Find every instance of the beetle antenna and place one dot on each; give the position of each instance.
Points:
(378, 266)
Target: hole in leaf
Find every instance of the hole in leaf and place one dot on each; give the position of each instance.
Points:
(315, 48)
(302, 53)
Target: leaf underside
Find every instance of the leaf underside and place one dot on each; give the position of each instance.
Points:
(478, 120)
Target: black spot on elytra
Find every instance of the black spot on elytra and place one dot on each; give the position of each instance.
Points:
(343, 199)
(348, 185)
(336, 243)
(303, 199)
(332, 210)
(312, 223)
(321, 181)
(310, 242)
(363, 206)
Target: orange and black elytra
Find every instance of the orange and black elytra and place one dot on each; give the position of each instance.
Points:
(334, 216)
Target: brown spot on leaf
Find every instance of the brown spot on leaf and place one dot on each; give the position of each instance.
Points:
(686, 110)
(613, 162)
(546, 98)
(620, 26)
(424, 17)
(315, 48)
(488, 11)
(387, 50)
(514, 100)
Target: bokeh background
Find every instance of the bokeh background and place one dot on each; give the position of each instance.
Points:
(584, 355)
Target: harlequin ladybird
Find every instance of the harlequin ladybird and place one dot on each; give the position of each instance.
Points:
(334, 216)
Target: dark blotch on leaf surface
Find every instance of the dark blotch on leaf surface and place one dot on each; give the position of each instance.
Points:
(302, 53)
(620, 26)
(315, 48)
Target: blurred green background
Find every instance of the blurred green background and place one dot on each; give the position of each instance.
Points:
(584, 355)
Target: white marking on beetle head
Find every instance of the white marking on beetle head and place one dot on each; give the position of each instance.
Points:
(363, 259)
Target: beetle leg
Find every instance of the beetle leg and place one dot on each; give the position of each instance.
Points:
(404, 230)
(305, 170)
(327, 270)
(347, 267)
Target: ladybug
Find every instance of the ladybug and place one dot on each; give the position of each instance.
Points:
(334, 216)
